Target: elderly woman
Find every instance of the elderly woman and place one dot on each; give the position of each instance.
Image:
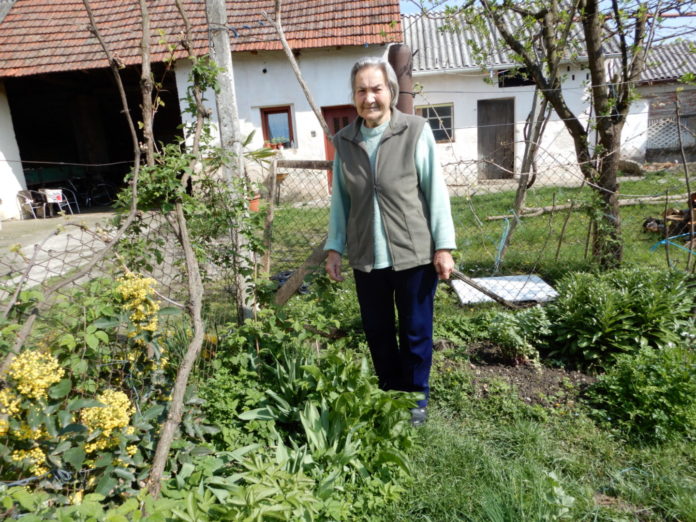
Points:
(390, 213)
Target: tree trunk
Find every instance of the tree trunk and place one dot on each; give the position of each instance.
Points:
(607, 246)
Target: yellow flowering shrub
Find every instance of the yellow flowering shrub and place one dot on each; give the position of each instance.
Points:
(4, 427)
(114, 415)
(34, 372)
(138, 293)
(9, 402)
(36, 458)
(26, 433)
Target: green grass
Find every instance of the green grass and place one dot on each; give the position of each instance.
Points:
(474, 465)
(539, 244)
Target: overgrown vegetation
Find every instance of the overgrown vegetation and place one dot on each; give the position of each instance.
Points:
(282, 418)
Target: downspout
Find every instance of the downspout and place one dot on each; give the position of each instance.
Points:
(401, 60)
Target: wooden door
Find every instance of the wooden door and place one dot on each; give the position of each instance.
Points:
(336, 118)
(496, 139)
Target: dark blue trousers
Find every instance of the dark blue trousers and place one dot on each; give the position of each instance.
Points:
(401, 346)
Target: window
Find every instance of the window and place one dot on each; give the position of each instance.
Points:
(440, 119)
(514, 78)
(276, 123)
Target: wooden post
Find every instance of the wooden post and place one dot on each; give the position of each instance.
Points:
(230, 134)
(268, 225)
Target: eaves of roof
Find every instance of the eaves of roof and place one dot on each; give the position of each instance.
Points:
(42, 36)
(669, 62)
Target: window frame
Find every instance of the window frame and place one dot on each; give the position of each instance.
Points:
(265, 129)
(421, 110)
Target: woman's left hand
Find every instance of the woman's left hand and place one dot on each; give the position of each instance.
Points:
(444, 264)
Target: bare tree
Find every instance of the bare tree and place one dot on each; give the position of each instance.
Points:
(543, 36)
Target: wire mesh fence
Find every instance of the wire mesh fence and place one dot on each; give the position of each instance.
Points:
(551, 234)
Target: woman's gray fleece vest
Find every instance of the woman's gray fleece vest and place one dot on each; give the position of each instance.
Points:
(402, 205)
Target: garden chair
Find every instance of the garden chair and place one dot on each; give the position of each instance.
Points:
(56, 197)
(30, 201)
(71, 199)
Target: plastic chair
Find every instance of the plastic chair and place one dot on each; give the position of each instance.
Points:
(71, 199)
(30, 201)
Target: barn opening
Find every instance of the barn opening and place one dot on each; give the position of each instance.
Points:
(71, 130)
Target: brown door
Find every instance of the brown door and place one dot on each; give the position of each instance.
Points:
(336, 118)
(496, 139)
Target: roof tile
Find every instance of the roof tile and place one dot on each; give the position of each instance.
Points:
(38, 36)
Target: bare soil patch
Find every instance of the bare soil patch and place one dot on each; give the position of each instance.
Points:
(536, 384)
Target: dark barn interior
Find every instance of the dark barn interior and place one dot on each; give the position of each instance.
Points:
(71, 130)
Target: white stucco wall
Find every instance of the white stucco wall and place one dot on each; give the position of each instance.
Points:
(556, 157)
(326, 72)
(465, 89)
(11, 174)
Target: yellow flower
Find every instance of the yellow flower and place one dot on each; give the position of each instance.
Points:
(4, 427)
(9, 402)
(138, 294)
(132, 449)
(115, 413)
(36, 458)
(34, 372)
(26, 433)
(76, 498)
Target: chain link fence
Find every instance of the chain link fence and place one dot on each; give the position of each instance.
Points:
(551, 235)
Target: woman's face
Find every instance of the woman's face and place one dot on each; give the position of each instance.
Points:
(372, 96)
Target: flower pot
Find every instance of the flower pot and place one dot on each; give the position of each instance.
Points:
(254, 203)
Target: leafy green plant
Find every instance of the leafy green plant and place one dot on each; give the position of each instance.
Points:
(598, 316)
(650, 395)
(519, 334)
(321, 410)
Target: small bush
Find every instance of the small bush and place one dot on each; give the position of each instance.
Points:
(651, 395)
(519, 334)
(598, 316)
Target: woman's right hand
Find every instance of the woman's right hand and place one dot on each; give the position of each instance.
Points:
(333, 265)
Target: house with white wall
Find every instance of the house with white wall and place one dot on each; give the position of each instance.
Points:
(60, 114)
(479, 106)
(668, 103)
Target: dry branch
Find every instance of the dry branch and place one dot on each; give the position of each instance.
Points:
(294, 282)
(195, 291)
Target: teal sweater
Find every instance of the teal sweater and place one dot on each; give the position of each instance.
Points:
(431, 183)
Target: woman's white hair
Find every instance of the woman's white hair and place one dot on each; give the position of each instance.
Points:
(389, 74)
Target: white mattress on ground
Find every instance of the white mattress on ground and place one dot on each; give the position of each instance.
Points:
(513, 288)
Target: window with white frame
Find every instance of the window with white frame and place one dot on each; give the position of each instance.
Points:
(441, 120)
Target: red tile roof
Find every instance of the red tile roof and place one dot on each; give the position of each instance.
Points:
(40, 36)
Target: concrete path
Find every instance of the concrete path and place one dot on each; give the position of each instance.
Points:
(65, 245)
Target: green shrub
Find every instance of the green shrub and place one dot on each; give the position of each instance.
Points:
(650, 395)
(519, 334)
(598, 316)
